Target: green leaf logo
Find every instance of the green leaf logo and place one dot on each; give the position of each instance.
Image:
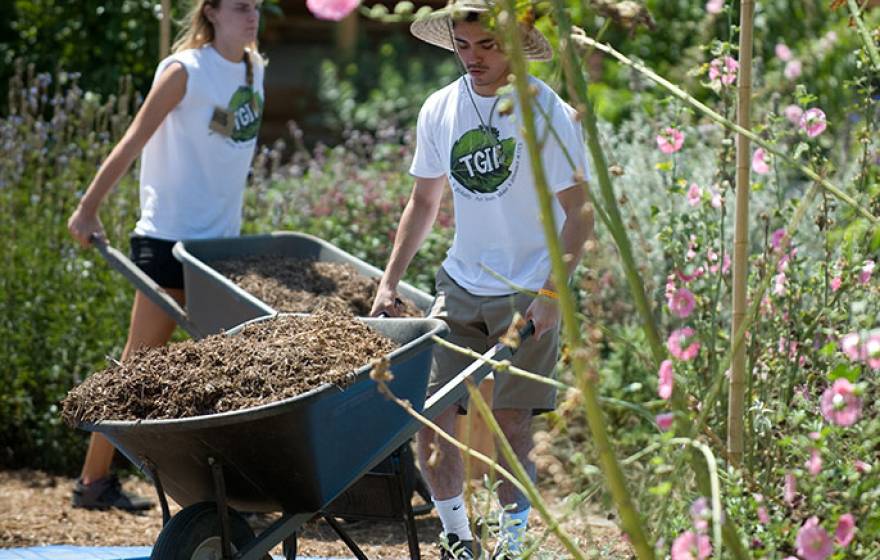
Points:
(247, 115)
(481, 161)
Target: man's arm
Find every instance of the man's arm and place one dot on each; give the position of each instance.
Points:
(415, 224)
(577, 228)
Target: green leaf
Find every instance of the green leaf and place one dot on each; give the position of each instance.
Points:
(844, 371)
(663, 166)
(828, 350)
(661, 489)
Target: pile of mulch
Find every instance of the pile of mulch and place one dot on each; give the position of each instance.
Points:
(294, 285)
(266, 362)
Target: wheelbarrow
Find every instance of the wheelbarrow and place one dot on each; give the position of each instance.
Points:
(215, 303)
(295, 456)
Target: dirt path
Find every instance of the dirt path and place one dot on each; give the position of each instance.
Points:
(35, 511)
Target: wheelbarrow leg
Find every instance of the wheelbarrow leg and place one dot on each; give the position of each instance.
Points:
(222, 511)
(358, 553)
(409, 518)
(153, 473)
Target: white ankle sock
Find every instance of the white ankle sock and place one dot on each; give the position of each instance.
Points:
(453, 515)
(513, 528)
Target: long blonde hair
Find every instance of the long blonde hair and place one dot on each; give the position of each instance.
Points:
(200, 31)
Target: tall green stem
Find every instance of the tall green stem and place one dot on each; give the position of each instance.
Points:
(630, 518)
(865, 34)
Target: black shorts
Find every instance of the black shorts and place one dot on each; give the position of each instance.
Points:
(154, 257)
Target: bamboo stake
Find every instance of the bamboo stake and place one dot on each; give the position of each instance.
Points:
(735, 403)
(630, 518)
(165, 30)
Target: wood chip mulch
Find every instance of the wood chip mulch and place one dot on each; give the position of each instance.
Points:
(305, 286)
(266, 362)
(35, 510)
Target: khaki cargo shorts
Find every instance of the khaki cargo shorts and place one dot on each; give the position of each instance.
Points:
(477, 322)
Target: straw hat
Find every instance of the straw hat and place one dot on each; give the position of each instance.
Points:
(435, 28)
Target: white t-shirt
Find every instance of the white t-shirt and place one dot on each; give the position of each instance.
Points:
(192, 178)
(497, 216)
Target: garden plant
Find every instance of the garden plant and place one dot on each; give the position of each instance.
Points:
(722, 337)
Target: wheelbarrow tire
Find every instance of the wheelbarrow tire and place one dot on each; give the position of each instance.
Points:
(195, 531)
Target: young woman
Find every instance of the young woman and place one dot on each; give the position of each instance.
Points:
(197, 130)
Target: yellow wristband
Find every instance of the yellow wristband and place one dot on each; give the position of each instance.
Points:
(548, 293)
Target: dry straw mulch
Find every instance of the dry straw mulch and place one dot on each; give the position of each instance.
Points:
(294, 285)
(266, 362)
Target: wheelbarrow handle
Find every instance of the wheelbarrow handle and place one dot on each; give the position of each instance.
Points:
(146, 285)
(454, 389)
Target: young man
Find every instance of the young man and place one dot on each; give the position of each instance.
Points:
(499, 242)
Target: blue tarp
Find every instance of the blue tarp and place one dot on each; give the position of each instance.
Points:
(89, 553)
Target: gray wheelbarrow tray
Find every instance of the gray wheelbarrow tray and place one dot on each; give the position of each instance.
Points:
(295, 456)
(214, 303)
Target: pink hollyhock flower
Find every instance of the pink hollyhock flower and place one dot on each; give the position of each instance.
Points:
(682, 303)
(763, 517)
(814, 464)
(789, 489)
(685, 277)
(813, 122)
(846, 529)
(866, 272)
(813, 542)
(695, 195)
(670, 286)
(666, 379)
(872, 350)
(714, 6)
(717, 199)
(690, 546)
(850, 345)
(678, 339)
(840, 405)
(701, 514)
(761, 162)
(793, 69)
(664, 421)
(779, 284)
(776, 238)
(783, 53)
(793, 113)
(334, 10)
(670, 140)
(862, 467)
(725, 264)
(835, 283)
(723, 70)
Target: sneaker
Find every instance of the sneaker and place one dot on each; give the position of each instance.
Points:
(106, 493)
(456, 549)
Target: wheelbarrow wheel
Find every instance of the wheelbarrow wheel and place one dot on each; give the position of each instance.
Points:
(194, 534)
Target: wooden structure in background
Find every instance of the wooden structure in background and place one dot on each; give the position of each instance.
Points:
(295, 44)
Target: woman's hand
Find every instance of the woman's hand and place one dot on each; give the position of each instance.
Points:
(83, 224)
